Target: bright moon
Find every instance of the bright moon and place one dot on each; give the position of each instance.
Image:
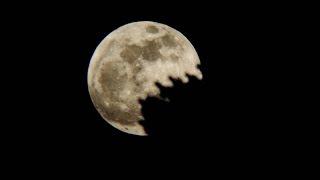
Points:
(128, 62)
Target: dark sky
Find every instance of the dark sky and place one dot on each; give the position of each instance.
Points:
(49, 112)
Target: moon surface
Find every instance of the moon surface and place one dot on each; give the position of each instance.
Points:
(128, 62)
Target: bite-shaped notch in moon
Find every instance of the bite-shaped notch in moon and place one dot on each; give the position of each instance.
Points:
(127, 64)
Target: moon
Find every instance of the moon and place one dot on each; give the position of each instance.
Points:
(127, 64)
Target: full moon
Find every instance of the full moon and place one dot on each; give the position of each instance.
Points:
(128, 63)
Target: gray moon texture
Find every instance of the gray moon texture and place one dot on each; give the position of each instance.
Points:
(127, 64)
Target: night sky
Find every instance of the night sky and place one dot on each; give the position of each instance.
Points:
(50, 117)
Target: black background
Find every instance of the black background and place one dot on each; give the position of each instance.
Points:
(227, 118)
